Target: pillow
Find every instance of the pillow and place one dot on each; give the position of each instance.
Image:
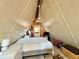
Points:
(4, 45)
(5, 42)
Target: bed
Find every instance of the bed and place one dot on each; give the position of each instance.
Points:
(35, 45)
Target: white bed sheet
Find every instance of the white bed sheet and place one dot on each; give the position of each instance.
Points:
(35, 43)
(37, 46)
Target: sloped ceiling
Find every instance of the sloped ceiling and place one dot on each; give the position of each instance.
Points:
(15, 16)
(60, 17)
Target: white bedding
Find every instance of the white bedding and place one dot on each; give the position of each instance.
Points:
(47, 45)
(35, 44)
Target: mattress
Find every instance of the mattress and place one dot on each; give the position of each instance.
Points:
(39, 48)
(35, 45)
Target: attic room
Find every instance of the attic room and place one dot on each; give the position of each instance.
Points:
(39, 29)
